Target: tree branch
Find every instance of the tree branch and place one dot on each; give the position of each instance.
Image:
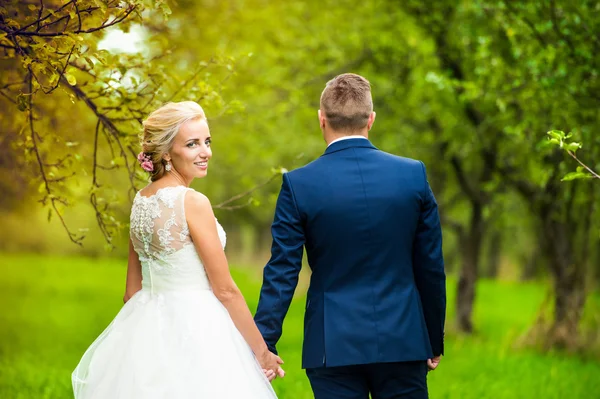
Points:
(49, 195)
(12, 100)
(223, 205)
(60, 162)
(458, 228)
(78, 16)
(525, 188)
(584, 165)
(40, 11)
(191, 79)
(108, 124)
(463, 180)
(99, 211)
(104, 25)
(39, 20)
(61, 73)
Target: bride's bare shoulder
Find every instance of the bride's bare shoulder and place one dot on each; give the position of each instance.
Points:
(148, 190)
(196, 201)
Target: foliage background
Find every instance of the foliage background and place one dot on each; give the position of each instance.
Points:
(469, 87)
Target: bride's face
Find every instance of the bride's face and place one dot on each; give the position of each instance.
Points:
(191, 150)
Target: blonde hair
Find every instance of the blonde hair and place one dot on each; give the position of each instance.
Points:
(160, 129)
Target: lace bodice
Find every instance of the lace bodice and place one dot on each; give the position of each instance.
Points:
(160, 236)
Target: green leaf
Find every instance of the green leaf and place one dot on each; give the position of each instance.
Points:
(556, 134)
(11, 23)
(166, 11)
(576, 175)
(89, 61)
(53, 77)
(71, 79)
(21, 102)
(573, 147)
(101, 58)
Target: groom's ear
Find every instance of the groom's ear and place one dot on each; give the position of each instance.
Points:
(321, 119)
(371, 120)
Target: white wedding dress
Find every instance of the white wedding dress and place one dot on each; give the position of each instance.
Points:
(173, 339)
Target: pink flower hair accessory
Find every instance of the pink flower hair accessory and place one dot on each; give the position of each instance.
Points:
(145, 161)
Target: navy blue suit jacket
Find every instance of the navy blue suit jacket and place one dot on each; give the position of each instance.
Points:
(371, 229)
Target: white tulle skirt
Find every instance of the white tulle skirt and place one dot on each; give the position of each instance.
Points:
(171, 345)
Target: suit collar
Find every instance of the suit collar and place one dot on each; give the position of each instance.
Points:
(349, 143)
(357, 136)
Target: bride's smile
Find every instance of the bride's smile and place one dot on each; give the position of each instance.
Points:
(191, 151)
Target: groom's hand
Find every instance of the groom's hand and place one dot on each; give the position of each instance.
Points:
(433, 363)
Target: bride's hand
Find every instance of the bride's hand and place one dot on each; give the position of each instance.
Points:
(270, 362)
(270, 374)
(280, 372)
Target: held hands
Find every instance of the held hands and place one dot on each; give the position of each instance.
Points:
(270, 364)
(271, 375)
(433, 363)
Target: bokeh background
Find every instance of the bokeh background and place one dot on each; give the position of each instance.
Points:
(469, 87)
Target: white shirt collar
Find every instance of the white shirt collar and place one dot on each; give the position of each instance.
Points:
(348, 137)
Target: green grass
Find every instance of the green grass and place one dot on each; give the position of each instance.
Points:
(52, 308)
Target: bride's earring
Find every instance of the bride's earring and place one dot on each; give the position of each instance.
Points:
(168, 166)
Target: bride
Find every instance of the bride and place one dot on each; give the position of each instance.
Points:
(185, 330)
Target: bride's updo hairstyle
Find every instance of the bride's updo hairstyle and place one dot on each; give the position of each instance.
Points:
(160, 129)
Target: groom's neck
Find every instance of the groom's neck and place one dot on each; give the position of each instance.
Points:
(331, 136)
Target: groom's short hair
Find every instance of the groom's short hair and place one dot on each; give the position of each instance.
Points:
(346, 102)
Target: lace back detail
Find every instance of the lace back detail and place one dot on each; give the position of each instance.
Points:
(158, 225)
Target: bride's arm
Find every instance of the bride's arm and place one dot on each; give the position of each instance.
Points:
(134, 274)
(203, 230)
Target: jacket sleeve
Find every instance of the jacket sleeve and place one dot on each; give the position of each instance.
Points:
(280, 275)
(428, 266)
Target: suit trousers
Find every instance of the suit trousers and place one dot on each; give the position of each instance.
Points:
(380, 380)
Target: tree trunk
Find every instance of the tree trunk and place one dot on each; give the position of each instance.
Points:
(494, 252)
(531, 264)
(471, 245)
(569, 286)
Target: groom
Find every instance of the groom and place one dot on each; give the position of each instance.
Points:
(374, 320)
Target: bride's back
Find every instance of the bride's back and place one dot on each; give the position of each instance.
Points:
(160, 236)
(158, 226)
